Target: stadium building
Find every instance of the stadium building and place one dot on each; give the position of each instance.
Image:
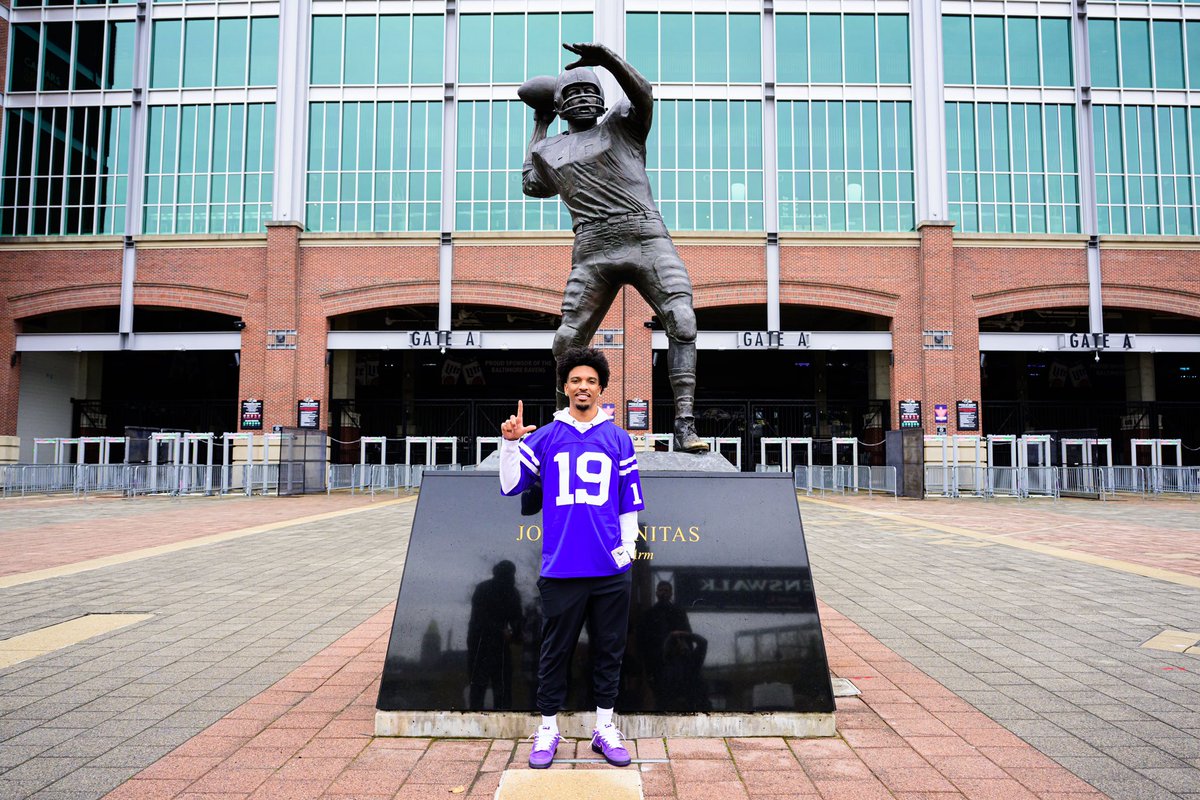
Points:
(878, 201)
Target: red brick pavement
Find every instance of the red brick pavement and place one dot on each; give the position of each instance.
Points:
(310, 735)
(126, 524)
(1159, 533)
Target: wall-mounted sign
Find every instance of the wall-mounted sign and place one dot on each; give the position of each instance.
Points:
(281, 339)
(910, 413)
(968, 415)
(1096, 341)
(252, 415)
(637, 415)
(941, 414)
(432, 340)
(308, 413)
(774, 340)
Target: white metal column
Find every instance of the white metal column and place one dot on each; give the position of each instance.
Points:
(291, 111)
(1086, 159)
(449, 164)
(135, 190)
(770, 155)
(929, 111)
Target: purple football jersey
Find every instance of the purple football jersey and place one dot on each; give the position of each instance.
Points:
(588, 480)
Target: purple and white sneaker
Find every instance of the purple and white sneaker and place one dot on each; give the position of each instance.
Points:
(608, 740)
(545, 742)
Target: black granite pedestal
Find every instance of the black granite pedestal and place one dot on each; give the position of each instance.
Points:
(724, 639)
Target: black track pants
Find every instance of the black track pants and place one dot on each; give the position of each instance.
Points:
(567, 604)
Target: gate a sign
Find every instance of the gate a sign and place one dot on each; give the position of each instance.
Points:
(1087, 342)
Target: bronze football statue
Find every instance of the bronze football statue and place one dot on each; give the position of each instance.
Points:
(598, 168)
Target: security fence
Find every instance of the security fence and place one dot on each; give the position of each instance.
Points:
(843, 479)
(1098, 482)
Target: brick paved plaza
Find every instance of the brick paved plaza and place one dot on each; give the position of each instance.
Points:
(998, 648)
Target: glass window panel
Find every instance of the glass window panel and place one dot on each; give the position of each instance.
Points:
(89, 54)
(475, 48)
(428, 33)
(1193, 54)
(544, 52)
(56, 56)
(791, 48)
(745, 48)
(1056, 52)
(1135, 53)
(956, 49)
(641, 43)
(232, 33)
(119, 63)
(264, 51)
(1023, 51)
(198, 42)
(989, 50)
(575, 28)
(860, 48)
(893, 48)
(826, 40)
(326, 51)
(712, 48)
(360, 50)
(395, 37)
(508, 48)
(1168, 54)
(676, 47)
(1102, 43)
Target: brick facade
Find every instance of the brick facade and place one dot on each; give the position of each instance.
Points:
(289, 280)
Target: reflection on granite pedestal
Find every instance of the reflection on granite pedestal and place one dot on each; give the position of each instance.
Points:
(724, 620)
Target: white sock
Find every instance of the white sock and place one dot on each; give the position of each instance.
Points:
(603, 716)
(550, 722)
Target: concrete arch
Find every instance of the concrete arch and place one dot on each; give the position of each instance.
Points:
(1028, 298)
(198, 298)
(1148, 298)
(388, 295)
(846, 298)
(66, 298)
(508, 295)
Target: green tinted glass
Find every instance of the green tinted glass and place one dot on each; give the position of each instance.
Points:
(860, 48)
(711, 48)
(956, 48)
(326, 51)
(1102, 46)
(893, 48)
(428, 45)
(1168, 54)
(199, 40)
(791, 48)
(508, 48)
(1023, 51)
(361, 32)
(989, 51)
(825, 37)
(641, 43)
(121, 44)
(1135, 53)
(264, 51)
(676, 47)
(745, 48)
(232, 37)
(1056, 52)
(165, 59)
(1193, 56)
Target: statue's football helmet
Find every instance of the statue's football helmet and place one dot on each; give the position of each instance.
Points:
(577, 95)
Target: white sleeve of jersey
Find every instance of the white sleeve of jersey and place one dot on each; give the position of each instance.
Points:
(510, 465)
(629, 529)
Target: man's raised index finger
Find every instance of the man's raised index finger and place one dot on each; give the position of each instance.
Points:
(520, 412)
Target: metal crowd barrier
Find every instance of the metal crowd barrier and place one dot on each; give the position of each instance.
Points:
(845, 478)
(1024, 482)
(1174, 480)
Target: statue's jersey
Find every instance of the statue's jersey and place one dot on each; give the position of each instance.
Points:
(598, 173)
(589, 480)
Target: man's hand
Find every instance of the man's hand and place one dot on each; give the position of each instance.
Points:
(590, 55)
(514, 427)
(544, 116)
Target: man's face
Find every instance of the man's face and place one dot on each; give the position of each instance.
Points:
(582, 110)
(583, 388)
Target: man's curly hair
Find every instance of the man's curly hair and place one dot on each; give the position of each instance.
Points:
(583, 357)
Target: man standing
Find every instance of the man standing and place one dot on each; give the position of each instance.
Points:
(598, 168)
(589, 535)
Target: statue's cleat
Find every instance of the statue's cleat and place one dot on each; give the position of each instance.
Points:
(686, 438)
